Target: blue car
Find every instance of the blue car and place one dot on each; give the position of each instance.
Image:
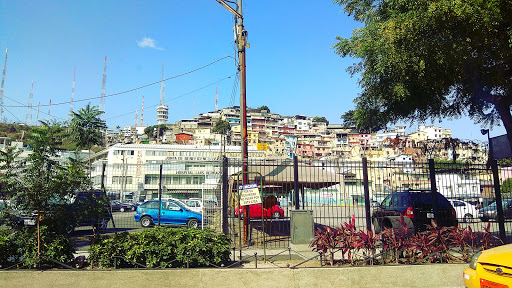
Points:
(172, 213)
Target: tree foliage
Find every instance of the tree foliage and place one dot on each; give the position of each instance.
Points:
(364, 120)
(321, 119)
(428, 59)
(221, 127)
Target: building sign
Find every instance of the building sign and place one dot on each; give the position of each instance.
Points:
(249, 194)
(188, 172)
(262, 146)
(290, 145)
(192, 158)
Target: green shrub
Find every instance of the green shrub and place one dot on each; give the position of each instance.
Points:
(161, 247)
(20, 246)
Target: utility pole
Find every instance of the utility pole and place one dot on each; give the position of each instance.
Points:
(241, 41)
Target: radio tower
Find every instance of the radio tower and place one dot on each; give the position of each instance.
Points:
(2, 87)
(37, 113)
(72, 96)
(28, 121)
(162, 111)
(49, 110)
(216, 99)
(103, 90)
(135, 120)
(142, 113)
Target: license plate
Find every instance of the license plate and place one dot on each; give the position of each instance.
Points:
(489, 284)
(430, 215)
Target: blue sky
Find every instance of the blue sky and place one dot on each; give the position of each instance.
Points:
(291, 66)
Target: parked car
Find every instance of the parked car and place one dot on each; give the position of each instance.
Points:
(122, 206)
(172, 212)
(465, 211)
(184, 203)
(207, 206)
(491, 212)
(84, 208)
(490, 268)
(417, 208)
(257, 211)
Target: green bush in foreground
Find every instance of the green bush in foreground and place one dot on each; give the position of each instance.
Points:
(161, 247)
(19, 247)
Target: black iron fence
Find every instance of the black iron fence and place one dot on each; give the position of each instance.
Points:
(333, 192)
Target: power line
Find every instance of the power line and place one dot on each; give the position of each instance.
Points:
(177, 97)
(131, 90)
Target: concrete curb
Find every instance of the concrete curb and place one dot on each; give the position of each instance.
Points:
(434, 275)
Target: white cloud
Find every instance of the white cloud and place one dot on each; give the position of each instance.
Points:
(148, 42)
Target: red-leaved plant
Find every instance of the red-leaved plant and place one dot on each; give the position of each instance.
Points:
(327, 242)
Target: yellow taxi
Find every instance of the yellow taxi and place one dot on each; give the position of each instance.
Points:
(490, 269)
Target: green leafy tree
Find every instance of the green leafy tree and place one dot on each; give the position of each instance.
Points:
(221, 127)
(364, 120)
(433, 59)
(86, 126)
(43, 181)
(320, 119)
(264, 107)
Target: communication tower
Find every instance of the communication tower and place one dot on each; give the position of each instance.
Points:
(28, 121)
(162, 111)
(103, 90)
(2, 87)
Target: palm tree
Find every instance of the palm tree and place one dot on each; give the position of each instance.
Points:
(86, 126)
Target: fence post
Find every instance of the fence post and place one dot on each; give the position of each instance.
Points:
(366, 195)
(499, 204)
(225, 228)
(160, 194)
(103, 177)
(433, 188)
(296, 181)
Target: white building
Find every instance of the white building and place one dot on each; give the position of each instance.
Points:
(133, 170)
(434, 132)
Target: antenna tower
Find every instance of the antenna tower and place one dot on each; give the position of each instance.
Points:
(28, 121)
(2, 86)
(72, 96)
(162, 87)
(49, 110)
(142, 113)
(216, 98)
(162, 111)
(103, 90)
(37, 113)
(135, 120)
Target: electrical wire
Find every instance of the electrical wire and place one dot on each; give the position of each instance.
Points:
(177, 97)
(127, 91)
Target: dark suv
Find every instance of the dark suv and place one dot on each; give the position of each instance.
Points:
(417, 208)
(89, 208)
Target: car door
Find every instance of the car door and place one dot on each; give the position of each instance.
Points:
(172, 214)
(255, 211)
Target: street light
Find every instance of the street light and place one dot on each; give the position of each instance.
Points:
(487, 132)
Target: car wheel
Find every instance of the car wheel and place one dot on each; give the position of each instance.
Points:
(192, 223)
(146, 221)
(133, 208)
(468, 218)
(276, 215)
(121, 209)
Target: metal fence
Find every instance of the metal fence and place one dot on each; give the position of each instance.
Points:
(333, 192)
